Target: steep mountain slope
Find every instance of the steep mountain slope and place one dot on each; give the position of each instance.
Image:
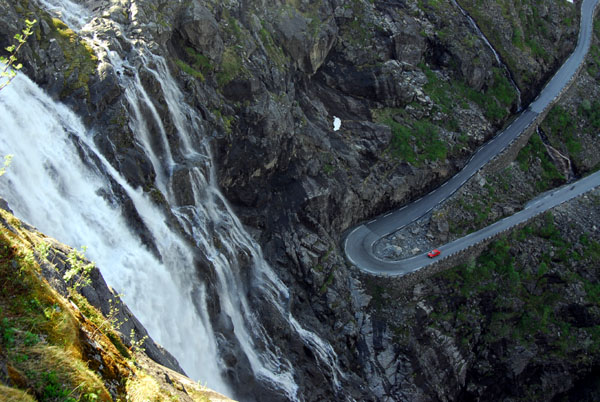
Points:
(518, 322)
(526, 34)
(56, 346)
(565, 148)
(416, 89)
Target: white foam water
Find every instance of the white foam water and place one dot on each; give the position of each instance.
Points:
(53, 187)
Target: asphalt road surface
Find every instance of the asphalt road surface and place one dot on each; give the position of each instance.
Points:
(358, 244)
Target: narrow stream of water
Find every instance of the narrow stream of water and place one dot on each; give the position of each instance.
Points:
(507, 72)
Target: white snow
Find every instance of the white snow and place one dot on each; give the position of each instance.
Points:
(337, 123)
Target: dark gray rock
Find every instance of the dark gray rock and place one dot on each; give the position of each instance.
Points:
(198, 28)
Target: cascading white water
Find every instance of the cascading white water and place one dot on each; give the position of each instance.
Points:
(496, 55)
(50, 187)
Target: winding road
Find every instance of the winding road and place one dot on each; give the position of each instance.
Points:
(358, 244)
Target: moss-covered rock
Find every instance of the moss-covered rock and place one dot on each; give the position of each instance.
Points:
(525, 33)
(54, 345)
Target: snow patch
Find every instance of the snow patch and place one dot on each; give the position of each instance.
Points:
(337, 123)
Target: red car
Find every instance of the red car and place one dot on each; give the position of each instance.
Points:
(434, 253)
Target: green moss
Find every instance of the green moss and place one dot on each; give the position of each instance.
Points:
(534, 151)
(517, 38)
(107, 326)
(416, 141)
(199, 60)
(234, 28)
(495, 101)
(561, 127)
(226, 120)
(39, 330)
(274, 52)
(189, 70)
(593, 57)
(359, 30)
(591, 112)
(54, 350)
(531, 33)
(195, 64)
(231, 66)
(496, 279)
(79, 56)
(327, 282)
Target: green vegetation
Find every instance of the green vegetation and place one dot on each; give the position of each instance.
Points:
(535, 26)
(593, 57)
(53, 351)
(590, 111)
(328, 169)
(231, 66)
(78, 274)
(534, 151)
(108, 326)
(189, 70)
(532, 33)
(593, 65)
(480, 207)
(414, 143)
(227, 121)
(200, 61)
(234, 29)
(326, 266)
(435, 5)
(79, 56)
(497, 189)
(310, 11)
(40, 335)
(274, 51)
(518, 302)
(199, 66)
(561, 127)
(327, 282)
(359, 31)
(11, 66)
(495, 101)
(517, 38)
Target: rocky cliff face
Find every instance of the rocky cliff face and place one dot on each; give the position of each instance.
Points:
(519, 335)
(64, 339)
(416, 89)
(526, 33)
(563, 149)
(518, 322)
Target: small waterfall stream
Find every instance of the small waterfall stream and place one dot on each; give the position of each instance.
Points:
(496, 55)
(561, 161)
(51, 187)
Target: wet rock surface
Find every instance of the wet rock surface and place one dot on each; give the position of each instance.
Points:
(525, 35)
(267, 81)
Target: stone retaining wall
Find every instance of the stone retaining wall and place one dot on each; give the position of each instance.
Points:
(498, 163)
(509, 154)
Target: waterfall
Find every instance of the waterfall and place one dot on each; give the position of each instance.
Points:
(49, 186)
(54, 186)
(496, 55)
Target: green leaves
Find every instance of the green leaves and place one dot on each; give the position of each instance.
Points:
(10, 62)
(79, 270)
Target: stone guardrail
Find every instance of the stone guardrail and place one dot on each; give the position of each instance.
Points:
(497, 163)
(465, 255)
(509, 153)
